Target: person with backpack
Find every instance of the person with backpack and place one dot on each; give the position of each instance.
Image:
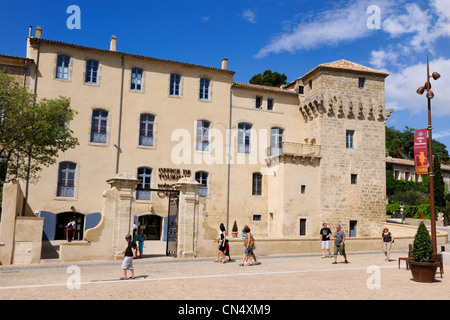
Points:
(249, 244)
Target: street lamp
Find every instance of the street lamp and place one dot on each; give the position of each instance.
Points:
(430, 95)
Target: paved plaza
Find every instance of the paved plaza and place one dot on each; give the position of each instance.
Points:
(277, 277)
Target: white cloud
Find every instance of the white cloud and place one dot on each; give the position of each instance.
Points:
(401, 88)
(249, 15)
(441, 134)
(330, 27)
(381, 58)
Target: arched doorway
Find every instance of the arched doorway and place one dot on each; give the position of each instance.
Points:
(62, 219)
(152, 225)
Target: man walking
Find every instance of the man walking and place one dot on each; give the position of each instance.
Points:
(325, 234)
(339, 244)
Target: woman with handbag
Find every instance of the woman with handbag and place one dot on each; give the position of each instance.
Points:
(386, 243)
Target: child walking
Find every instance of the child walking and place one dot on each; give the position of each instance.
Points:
(130, 253)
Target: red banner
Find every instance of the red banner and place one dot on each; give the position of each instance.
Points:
(420, 151)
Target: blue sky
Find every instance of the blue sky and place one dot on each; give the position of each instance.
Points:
(290, 37)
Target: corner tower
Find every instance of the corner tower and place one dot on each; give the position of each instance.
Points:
(343, 106)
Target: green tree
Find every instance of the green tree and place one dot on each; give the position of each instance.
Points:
(400, 143)
(422, 250)
(31, 130)
(269, 78)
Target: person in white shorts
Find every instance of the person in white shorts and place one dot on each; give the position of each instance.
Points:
(325, 234)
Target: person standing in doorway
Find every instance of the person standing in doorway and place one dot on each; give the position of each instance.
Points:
(386, 243)
(325, 234)
(71, 227)
(339, 244)
(141, 237)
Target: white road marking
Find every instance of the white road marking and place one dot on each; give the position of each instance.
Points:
(192, 277)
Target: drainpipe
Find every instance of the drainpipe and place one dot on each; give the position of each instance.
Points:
(36, 71)
(229, 158)
(120, 118)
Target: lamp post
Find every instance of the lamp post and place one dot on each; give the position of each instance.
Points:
(430, 95)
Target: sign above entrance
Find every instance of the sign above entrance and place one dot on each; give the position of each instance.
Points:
(171, 174)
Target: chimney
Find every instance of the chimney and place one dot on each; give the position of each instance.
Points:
(30, 30)
(38, 32)
(113, 43)
(224, 63)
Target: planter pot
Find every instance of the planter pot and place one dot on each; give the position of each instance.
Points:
(423, 271)
(234, 234)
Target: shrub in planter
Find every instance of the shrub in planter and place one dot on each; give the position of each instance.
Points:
(422, 250)
(234, 230)
(423, 268)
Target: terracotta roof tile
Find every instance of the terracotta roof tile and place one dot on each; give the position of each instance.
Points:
(262, 88)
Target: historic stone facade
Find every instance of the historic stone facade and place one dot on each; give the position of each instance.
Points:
(282, 160)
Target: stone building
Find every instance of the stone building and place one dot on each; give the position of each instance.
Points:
(282, 160)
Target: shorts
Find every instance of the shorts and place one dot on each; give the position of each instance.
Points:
(248, 251)
(325, 244)
(339, 249)
(127, 263)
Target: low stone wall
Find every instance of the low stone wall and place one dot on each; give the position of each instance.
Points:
(403, 236)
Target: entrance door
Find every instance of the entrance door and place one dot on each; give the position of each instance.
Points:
(62, 219)
(151, 225)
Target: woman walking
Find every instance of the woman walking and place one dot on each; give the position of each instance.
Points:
(386, 243)
(222, 244)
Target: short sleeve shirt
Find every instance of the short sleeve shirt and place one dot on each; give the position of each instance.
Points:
(324, 232)
(338, 237)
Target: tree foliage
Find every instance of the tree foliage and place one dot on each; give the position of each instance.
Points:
(422, 250)
(400, 143)
(31, 129)
(269, 78)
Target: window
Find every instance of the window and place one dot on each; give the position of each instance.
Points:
(352, 228)
(202, 178)
(143, 188)
(276, 141)
(244, 135)
(350, 139)
(62, 67)
(310, 84)
(269, 104)
(202, 136)
(257, 184)
(354, 179)
(258, 102)
(175, 84)
(204, 89)
(91, 71)
(66, 180)
(301, 90)
(257, 217)
(99, 127)
(146, 130)
(361, 83)
(302, 227)
(303, 189)
(136, 79)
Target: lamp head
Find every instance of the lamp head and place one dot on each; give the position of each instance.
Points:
(430, 94)
(435, 75)
(421, 90)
